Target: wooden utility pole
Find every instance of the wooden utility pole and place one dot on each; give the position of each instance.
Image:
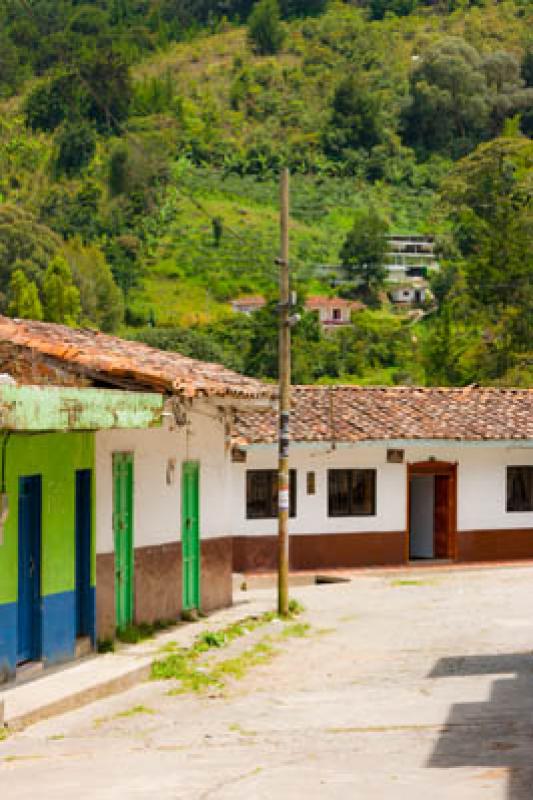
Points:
(284, 401)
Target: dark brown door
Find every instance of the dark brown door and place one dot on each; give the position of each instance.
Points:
(442, 516)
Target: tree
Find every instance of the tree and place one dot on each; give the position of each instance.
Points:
(24, 244)
(109, 91)
(302, 8)
(76, 146)
(23, 296)
(12, 72)
(378, 8)
(363, 254)
(450, 105)
(526, 68)
(356, 120)
(508, 95)
(101, 300)
(265, 29)
(61, 297)
(487, 296)
(53, 101)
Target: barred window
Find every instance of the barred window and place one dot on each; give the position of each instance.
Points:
(351, 492)
(520, 488)
(262, 493)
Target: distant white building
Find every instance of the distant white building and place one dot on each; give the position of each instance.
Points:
(410, 261)
(333, 312)
(248, 304)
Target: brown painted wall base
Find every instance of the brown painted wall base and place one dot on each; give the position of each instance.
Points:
(345, 550)
(105, 595)
(216, 583)
(322, 551)
(495, 545)
(158, 582)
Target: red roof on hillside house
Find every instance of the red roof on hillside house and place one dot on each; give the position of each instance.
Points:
(39, 352)
(360, 413)
(251, 300)
(316, 302)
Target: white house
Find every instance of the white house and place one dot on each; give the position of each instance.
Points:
(162, 530)
(333, 312)
(248, 304)
(388, 475)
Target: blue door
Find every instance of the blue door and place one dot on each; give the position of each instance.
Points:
(29, 583)
(83, 553)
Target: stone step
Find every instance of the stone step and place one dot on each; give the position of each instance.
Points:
(83, 646)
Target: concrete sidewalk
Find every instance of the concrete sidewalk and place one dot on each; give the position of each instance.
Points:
(98, 676)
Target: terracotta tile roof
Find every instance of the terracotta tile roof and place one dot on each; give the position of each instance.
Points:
(316, 301)
(249, 300)
(132, 364)
(360, 413)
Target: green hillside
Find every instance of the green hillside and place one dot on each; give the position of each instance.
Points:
(140, 147)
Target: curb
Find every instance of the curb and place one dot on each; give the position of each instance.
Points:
(78, 699)
(121, 677)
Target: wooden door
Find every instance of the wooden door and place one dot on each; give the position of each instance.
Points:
(442, 516)
(83, 552)
(29, 569)
(190, 534)
(123, 535)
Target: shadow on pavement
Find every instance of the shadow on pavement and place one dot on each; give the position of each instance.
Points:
(496, 734)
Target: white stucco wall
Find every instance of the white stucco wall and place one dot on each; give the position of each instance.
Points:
(481, 490)
(157, 505)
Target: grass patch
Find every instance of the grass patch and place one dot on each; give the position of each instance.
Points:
(407, 582)
(3, 734)
(183, 664)
(133, 634)
(237, 667)
(57, 737)
(297, 629)
(236, 728)
(132, 712)
(105, 646)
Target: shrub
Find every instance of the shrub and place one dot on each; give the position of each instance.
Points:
(265, 30)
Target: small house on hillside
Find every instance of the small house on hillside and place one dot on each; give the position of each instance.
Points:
(415, 294)
(410, 261)
(388, 475)
(249, 304)
(162, 536)
(333, 312)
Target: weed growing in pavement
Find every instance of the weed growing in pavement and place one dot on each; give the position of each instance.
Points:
(3, 733)
(409, 582)
(297, 629)
(236, 728)
(181, 664)
(133, 634)
(105, 646)
(131, 712)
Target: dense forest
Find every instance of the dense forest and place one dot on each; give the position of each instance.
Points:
(141, 143)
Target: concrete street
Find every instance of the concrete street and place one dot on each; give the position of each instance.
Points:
(414, 684)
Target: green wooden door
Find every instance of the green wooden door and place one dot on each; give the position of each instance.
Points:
(190, 534)
(123, 534)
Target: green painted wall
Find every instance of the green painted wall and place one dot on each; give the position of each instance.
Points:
(47, 408)
(55, 456)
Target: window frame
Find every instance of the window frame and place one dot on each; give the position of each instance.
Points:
(272, 512)
(508, 472)
(352, 472)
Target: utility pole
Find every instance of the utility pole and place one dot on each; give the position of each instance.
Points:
(284, 401)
